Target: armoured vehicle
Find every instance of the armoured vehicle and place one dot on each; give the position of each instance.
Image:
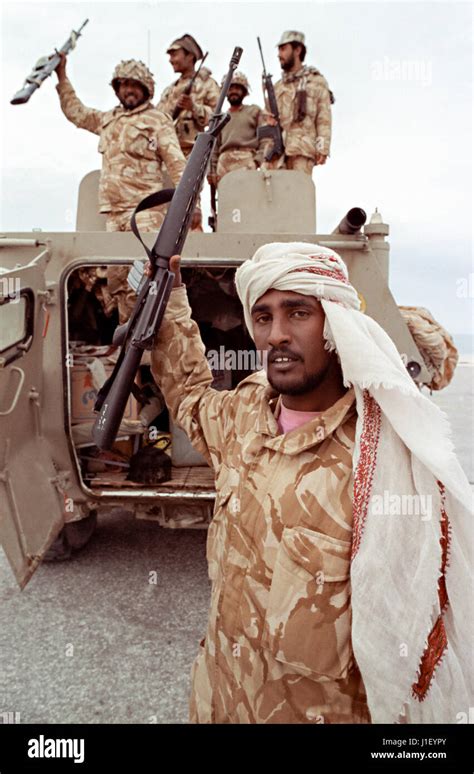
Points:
(55, 351)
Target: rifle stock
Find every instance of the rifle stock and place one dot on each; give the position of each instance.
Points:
(23, 94)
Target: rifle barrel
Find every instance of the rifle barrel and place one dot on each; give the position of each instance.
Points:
(261, 53)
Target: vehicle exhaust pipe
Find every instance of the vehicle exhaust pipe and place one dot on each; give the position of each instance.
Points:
(352, 222)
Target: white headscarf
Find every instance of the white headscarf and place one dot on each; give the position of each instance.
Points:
(413, 650)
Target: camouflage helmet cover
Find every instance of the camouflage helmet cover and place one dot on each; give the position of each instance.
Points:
(292, 36)
(239, 79)
(136, 70)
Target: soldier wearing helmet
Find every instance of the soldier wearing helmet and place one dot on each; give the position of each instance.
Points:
(237, 146)
(135, 139)
(196, 108)
(304, 103)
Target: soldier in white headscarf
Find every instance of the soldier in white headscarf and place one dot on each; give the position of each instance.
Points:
(339, 500)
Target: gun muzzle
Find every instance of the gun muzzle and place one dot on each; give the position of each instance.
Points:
(352, 222)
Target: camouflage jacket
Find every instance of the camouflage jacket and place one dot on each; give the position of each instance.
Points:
(204, 94)
(312, 135)
(278, 644)
(133, 143)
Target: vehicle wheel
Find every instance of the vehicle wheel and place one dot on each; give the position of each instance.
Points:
(73, 536)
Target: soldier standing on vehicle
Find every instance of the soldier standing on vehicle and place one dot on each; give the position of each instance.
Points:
(237, 146)
(190, 112)
(304, 102)
(135, 139)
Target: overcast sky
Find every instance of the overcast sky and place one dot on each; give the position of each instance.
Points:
(402, 140)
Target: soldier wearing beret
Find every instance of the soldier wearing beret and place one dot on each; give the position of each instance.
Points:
(195, 109)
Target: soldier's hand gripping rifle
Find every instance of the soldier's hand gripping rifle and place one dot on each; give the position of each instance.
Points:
(270, 132)
(138, 334)
(189, 87)
(44, 67)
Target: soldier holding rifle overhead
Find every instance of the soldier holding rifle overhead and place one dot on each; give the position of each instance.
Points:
(135, 139)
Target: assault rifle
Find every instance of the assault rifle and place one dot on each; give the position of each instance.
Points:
(154, 291)
(44, 67)
(189, 87)
(272, 132)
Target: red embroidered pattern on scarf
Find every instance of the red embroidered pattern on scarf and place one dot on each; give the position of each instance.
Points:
(437, 638)
(323, 257)
(364, 474)
(336, 274)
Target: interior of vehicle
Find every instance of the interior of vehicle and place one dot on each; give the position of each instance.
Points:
(150, 450)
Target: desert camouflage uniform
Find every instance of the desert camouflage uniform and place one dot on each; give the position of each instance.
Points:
(189, 123)
(229, 161)
(134, 143)
(278, 645)
(304, 139)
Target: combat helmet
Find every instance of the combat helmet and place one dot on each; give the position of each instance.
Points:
(239, 79)
(134, 68)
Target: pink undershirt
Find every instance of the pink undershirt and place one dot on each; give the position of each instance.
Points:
(289, 419)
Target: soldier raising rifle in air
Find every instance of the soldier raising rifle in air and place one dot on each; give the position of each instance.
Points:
(135, 139)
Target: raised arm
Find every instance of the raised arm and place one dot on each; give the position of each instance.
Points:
(71, 105)
(180, 368)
